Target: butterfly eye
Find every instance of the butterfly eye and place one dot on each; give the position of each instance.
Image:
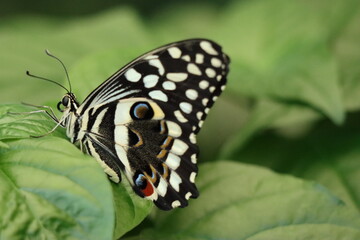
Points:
(141, 111)
(65, 100)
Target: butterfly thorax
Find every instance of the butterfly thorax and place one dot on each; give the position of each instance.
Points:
(70, 118)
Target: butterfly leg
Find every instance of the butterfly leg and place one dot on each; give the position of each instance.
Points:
(49, 111)
(49, 132)
(40, 111)
(33, 112)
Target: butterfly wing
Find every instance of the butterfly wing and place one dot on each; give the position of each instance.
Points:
(158, 103)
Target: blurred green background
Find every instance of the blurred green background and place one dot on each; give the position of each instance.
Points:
(293, 96)
(291, 62)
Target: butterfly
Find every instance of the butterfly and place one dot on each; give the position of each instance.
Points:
(143, 120)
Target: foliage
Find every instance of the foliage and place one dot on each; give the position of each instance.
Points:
(279, 152)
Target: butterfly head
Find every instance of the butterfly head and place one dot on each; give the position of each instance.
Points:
(68, 103)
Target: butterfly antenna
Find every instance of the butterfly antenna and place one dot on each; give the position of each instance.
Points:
(46, 79)
(58, 59)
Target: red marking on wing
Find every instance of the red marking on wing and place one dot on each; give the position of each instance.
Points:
(148, 190)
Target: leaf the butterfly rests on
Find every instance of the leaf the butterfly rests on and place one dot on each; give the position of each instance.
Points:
(143, 120)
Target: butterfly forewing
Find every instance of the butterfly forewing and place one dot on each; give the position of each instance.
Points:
(144, 119)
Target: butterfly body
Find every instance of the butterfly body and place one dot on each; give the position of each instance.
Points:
(143, 120)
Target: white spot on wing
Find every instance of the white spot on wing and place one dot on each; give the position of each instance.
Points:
(132, 75)
(172, 161)
(175, 181)
(159, 95)
(174, 129)
(150, 80)
(188, 195)
(207, 47)
(205, 101)
(174, 52)
(191, 94)
(175, 204)
(192, 138)
(186, 58)
(193, 158)
(162, 187)
(177, 77)
(199, 115)
(169, 85)
(156, 63)
(179, 116)
(199, 58)
(212, 89)
(201, 123)
(185, 107)
(192, 177)
(179, 147)
(204, 84)
(210, 72)
(215, 62)
(193, 69)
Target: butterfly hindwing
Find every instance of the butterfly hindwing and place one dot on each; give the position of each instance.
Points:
(144, 119)
(156, 155)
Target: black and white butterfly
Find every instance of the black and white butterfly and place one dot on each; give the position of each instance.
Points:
(143, 120)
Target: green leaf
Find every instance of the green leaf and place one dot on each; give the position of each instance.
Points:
(17, 121)
(324, 153)
(273, 58)
(239, 201)
(130, 208)
(269, 114)
(347, 51)
(50, 190)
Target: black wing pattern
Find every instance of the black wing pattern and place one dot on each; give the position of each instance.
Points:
(150, 112)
